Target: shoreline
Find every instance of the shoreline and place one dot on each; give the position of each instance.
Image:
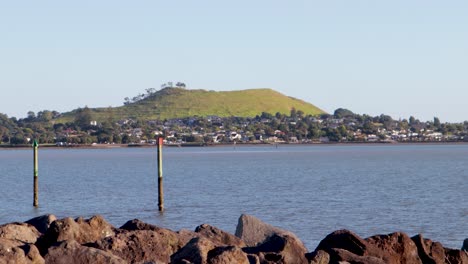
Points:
(46, 239)
(198, 145)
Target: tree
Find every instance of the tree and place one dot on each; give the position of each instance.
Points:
(83, 117)
(412, 120)
(293, 113)
(341, 113)
(31, 116)
(436, 122)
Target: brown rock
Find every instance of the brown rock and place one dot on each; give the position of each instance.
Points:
(142, 246)
(184, 235)
(219, 236)
(196, 251)
(71, 251)
(83, 231)
(227, 255)
(393, 248)
(429, 252)
(13, 251)
(344, 239)
(137, 224)
(20, 231)
(456, 256)
(318, 257)
(338, 255)
(42, 223)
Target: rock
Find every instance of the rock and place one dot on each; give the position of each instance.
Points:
(338, 255)
(219, 236)
(318, 257)
(196, 251)
(280, 248)
(274, 243)
(142, 246)
(456, 256)
(429, 252)
(184, 235)
(137, 224)
(20, 231)
(343, 239)
(227, 255)
(83, 231)
(393, 248)
(254, 231)
(42, 223)
(465, 245)
(71, 251)
(13, 251)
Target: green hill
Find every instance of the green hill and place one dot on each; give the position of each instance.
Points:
(178, 102)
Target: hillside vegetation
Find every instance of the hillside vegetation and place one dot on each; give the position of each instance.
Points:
(178, 102)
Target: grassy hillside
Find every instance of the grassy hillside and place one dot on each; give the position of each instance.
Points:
(177, 102)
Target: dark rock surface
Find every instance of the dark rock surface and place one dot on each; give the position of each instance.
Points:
(46, 239)
(42, 223)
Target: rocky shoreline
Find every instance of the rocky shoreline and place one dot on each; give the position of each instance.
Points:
(46, 239)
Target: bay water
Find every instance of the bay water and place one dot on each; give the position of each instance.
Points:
(311, 190)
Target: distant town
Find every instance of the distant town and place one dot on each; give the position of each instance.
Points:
(343, 126)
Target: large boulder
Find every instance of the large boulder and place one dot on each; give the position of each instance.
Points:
(318, 257)
(456, 256)
(15, 252)
(83, 231)
(137, 224)
(429, 252)
(219, 236)
(394, 248)
(270, 243)
(196, 251)
(343, 239)
(339, 255)
(20, 231)
(42, 223)
(465, 245)
(142, 246)
(71, 251)
(227, 255)
(254, 231)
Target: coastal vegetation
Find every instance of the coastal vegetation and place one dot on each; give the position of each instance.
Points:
(208, 117)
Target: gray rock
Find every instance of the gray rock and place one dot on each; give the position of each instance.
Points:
(270, 243)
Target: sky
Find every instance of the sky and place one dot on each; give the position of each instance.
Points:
(401, 58)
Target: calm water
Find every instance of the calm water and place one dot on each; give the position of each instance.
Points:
(310, 190)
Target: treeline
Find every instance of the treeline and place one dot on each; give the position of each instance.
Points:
(342, 126)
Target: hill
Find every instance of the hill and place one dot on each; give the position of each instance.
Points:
(179, 102)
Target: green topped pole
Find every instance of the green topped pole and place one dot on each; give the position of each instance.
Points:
(36, 172)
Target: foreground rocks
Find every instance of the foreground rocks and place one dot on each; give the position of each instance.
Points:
(47, 239)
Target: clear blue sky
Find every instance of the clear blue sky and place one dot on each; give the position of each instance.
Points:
(399, 58)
